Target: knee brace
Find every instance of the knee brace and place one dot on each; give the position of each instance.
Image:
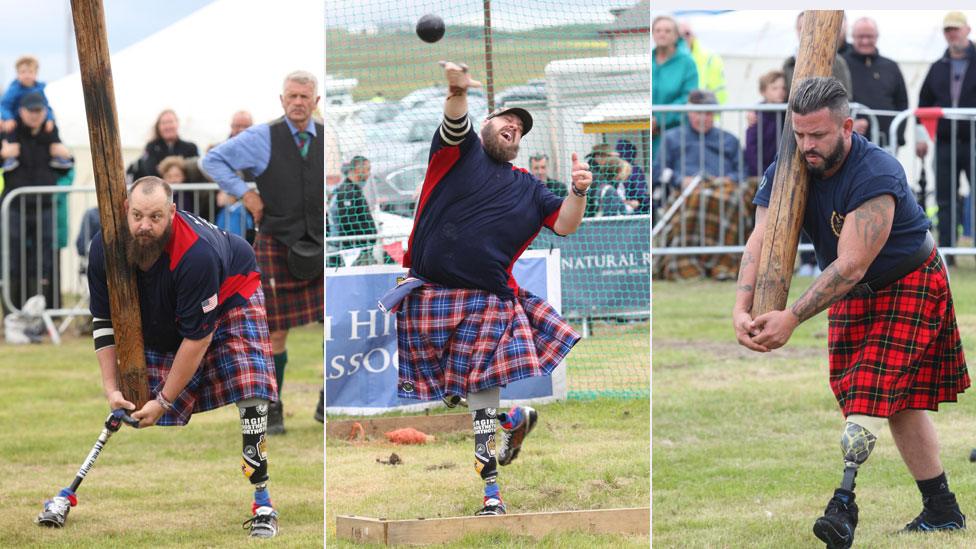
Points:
(254, 428)
(857, 443)
(485, 462)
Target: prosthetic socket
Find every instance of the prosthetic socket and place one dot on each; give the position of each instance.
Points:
(856, 442)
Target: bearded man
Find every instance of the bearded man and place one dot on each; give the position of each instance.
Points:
(204, 327)
(464, 327)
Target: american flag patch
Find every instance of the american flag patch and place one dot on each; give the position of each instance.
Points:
(209, 304)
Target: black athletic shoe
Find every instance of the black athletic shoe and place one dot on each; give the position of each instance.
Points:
(276, 418)
(493, 506)
(320, 407)
(836, 526)
(512, 438)
(939, 512)
(264, 523)
(55, 512)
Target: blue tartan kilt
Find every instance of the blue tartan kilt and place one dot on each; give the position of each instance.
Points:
(456, 341)
(237, 365)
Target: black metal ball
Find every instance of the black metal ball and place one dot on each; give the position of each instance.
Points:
(430, 28)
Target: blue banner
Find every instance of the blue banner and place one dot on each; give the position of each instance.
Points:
(361, 359)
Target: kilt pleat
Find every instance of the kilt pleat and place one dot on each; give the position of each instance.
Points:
(899, 348)
(291, 302)
(456, 341)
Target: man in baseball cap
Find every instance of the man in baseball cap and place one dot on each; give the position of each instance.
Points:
(523, 115)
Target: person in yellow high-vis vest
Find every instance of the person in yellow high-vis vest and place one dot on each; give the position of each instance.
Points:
(711, 68)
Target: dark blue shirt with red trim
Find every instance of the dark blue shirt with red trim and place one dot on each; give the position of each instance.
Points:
(202, 272)
(475, 218)
(868, 172)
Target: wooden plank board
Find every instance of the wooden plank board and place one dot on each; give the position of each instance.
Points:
(632, 521)
(375, 427)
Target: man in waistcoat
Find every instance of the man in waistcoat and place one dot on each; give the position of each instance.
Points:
(286, 157)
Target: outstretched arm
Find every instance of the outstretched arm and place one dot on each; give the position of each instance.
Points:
(458, 82)
(745, 288)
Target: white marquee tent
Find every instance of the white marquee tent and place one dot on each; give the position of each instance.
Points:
(227, 56)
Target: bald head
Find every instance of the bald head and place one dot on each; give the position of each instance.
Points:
(865, 36)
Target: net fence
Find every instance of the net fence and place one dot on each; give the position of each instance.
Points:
(582, 68)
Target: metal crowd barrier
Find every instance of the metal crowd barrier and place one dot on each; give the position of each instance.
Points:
(32, 262)
(673, 199)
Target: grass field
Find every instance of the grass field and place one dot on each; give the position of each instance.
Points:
(162, 487)
(409, 64)
(746, 446)
(581, 455)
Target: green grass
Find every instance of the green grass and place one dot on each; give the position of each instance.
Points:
(160, 487)
(613, 361)
(408, 63)
(746, 446)
(582, 455)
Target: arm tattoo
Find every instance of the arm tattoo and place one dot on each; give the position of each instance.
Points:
(829, 287)
(747, 259)
(872, 221)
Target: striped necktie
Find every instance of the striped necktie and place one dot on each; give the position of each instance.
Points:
(303, 140)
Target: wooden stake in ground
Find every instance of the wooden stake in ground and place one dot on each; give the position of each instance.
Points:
(818, 46)
(106, 150)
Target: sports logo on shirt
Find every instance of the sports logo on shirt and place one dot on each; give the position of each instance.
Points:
(209, 304)
(836, 223)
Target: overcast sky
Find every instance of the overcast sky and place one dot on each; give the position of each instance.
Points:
(42, 28)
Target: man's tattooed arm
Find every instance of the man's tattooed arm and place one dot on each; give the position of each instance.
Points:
(864, 234)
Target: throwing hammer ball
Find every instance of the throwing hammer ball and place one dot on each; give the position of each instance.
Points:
(430, 28)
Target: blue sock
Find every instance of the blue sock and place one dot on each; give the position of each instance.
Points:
(262, 498)
(492, 491)
(511, 419)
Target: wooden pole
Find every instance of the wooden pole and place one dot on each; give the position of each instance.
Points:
(106, 149)
(818, 46)
(489, 59)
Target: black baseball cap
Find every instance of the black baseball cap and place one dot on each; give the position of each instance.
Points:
(523, 115)
(32, 101)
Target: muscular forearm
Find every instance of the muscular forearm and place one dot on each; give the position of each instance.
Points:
(833, 283)
(456, 105)
(745, 288)
(107, 364)
(185, 364)
(570, 215)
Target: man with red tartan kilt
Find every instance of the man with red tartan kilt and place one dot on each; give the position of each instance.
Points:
(894, 346)
(464, 327)
(204, 328)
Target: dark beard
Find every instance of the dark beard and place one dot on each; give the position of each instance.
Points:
(496, 148)
(831, 160)
(147, 251)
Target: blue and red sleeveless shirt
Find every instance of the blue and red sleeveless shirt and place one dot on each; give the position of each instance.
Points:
(202, 272)
(475, 217)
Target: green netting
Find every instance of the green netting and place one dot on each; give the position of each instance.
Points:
(582, 68)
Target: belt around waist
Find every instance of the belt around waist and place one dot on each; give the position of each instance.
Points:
(907, 265)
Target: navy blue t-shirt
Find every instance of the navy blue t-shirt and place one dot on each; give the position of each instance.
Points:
(202, 272)
(868, 172)
(475, 218)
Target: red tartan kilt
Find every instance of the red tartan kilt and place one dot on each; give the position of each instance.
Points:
(898, 349)
(290, 302)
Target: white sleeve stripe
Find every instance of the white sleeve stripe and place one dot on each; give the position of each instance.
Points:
(449, 141)
(456, 125)
(103, 332)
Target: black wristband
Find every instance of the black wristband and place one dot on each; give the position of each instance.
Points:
(578, 192)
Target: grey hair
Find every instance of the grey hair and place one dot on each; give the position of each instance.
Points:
(302, 77)
(149, 184)
(818, 92)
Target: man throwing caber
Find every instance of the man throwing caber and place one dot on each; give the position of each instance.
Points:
(894, 346)
(465, 328)
(204, 329)
(287, 159)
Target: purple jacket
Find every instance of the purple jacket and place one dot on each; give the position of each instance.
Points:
(771, 123)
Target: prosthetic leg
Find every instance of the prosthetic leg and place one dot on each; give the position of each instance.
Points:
(484, 408)
(254, 465)
(836, 527)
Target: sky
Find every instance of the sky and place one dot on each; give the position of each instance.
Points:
(42, 28)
